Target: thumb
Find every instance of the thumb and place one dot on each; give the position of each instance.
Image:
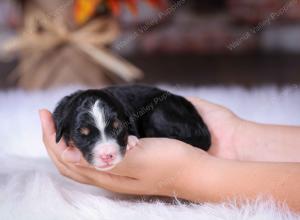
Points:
(47, 122)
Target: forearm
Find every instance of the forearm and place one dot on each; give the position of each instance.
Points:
(225, 179)
(259, 142)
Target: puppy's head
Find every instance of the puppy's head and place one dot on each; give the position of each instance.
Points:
(93, 121)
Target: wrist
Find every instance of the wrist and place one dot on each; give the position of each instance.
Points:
(196, 179)
(245, 140)
(227, 145)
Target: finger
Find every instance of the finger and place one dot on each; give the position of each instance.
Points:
(47, 122)
(49, 132)
(65, 170)
(88, 175)
(106, 180)
(71, 155)
(109, 181)
(63, 152)
(78, 173)
(203, 106)
(200, 102)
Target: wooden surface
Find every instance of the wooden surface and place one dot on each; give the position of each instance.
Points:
(195, 70)
(244, 70)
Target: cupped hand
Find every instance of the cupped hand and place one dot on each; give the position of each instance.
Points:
(223, 125)
(155, 166)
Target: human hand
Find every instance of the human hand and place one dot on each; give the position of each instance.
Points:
(223, 125)
(155, 166)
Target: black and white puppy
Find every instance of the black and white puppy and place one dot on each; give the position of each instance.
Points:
(100, 123)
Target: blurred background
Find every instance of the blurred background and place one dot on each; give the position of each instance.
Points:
(46, 44)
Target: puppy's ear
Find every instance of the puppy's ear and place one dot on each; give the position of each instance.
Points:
(60, 115)
(59, 130)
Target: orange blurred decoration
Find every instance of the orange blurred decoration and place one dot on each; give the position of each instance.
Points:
(85, 9)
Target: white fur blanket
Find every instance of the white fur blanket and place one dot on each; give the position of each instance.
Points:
(31, 188)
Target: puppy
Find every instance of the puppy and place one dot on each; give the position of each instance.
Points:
(100, 123)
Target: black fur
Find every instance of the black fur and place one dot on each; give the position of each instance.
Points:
(141, 110)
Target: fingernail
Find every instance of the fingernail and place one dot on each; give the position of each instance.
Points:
(71, 156)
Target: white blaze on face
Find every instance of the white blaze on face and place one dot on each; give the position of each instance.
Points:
(99, 118)
(105, 145)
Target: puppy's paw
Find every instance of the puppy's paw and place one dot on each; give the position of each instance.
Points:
(132, 142)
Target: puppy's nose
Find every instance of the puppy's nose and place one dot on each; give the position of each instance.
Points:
(107, 158)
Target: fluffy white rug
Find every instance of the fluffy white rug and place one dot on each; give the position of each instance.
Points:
(31, 188)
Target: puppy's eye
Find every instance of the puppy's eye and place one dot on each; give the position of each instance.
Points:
(116, 123)
(85, 131)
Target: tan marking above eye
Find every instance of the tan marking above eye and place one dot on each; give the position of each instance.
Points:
(85, 131)
(116, 123)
